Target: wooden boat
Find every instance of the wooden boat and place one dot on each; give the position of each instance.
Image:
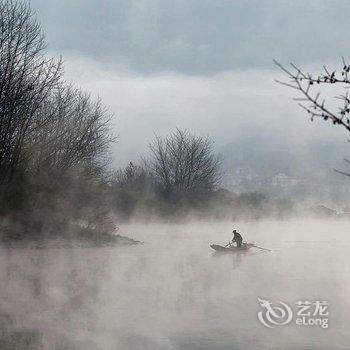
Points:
(233, 249)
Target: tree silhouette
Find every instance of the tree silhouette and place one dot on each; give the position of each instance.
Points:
(183, 163)
(313, 100)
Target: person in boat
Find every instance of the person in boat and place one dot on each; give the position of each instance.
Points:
(237, 238)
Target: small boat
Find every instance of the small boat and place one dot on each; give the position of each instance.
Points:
(233, 249)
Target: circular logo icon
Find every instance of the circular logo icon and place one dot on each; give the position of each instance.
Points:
(272, 315)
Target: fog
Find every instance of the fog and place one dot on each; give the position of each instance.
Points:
(174, 292)
(243, 106)
(252, 120)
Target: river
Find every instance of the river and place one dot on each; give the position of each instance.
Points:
(174, 292)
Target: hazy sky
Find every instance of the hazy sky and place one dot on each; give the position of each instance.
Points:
(197, 36)
(199, 64)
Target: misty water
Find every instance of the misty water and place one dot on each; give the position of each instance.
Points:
(174, 292)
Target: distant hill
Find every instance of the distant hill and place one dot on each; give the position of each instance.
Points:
(303, 172)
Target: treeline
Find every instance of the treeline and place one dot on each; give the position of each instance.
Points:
(181, 173)
(180, 180)
(54, 137)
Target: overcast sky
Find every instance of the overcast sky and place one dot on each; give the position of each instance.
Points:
(197, 36)
(199, 64)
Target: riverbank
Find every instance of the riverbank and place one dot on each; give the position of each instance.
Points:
(25, 234)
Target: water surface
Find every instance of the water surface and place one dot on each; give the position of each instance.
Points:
(174, 292)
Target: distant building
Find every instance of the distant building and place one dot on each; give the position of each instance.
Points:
(284, 181)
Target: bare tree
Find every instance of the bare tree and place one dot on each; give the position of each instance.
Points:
(183, 163)
(27, 78)
(76, 136)
(53, 138)
(132, 176)
(133, 188)
(313, 101)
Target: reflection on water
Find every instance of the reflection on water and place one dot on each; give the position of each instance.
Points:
(174, 292)
(238, 257)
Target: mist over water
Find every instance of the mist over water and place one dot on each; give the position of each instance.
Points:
(174, 292)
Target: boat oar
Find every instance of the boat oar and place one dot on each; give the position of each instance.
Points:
(269, 250)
